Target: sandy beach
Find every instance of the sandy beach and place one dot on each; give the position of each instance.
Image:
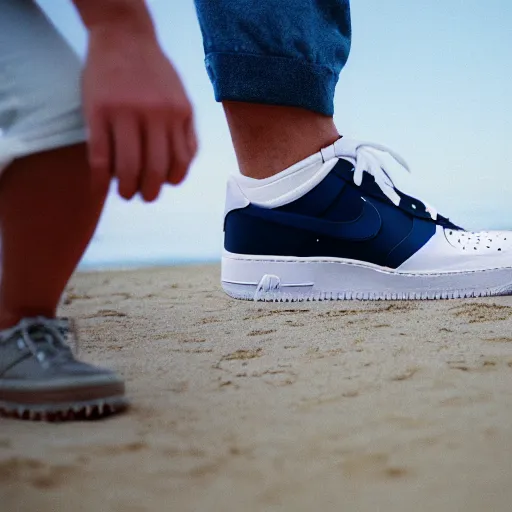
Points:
(241, 406)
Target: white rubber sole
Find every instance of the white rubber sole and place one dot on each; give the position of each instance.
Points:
(269, 278)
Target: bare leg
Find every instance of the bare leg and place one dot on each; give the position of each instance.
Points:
(268, 139)
(49, 209)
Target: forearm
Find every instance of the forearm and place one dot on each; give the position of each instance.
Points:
(131, 16)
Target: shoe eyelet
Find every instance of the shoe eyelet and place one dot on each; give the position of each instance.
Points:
(41, 356)
(21, 345)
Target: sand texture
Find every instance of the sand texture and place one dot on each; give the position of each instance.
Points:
(241, 406)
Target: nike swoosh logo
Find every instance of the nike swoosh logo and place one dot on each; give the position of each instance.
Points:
(366, 226)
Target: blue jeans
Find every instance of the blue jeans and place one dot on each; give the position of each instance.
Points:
(278, 52)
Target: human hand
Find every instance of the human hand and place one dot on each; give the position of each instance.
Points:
(140, 120)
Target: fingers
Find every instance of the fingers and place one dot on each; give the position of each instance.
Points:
(142, 153)
(184, 144)
(168, 157)
(127, 146)
(181, 155)
(191, 137)
(157, 160)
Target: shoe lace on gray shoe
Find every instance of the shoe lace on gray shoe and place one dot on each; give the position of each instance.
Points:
(37, 348)
(44, 338)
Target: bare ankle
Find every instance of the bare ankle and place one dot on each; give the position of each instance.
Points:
(268, 139)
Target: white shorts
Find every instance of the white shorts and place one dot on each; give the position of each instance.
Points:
(40, 99)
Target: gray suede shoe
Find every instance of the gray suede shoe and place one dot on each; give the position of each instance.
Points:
(41, 380)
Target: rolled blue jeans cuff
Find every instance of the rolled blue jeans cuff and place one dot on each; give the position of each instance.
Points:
(267, 78)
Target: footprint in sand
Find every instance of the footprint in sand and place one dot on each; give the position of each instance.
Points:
(35, 473)
(243, 355)
(259, 332)
(480, 312)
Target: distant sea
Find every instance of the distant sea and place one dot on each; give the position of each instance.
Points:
(141, 252)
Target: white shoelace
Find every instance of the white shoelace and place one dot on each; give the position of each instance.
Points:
(364, 157)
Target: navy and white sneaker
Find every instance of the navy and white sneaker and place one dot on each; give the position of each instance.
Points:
(334, 226)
